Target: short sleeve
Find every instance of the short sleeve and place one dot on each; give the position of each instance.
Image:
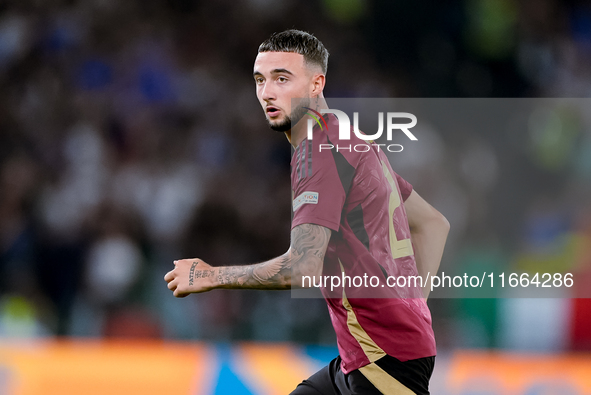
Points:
(319, 182)
(405, 187)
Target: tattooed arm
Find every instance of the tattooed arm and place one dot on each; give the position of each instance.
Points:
(304, 258)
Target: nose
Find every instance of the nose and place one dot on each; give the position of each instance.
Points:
(267, 92)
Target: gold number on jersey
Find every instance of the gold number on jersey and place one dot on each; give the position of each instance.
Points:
(402, 247)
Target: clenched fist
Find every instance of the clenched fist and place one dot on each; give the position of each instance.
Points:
(190, 276)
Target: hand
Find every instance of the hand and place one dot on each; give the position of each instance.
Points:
(190, 276)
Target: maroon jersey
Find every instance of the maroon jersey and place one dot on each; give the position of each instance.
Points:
(355, 192)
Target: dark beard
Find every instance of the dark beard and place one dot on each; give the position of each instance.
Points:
(297, 115)
(283, 126)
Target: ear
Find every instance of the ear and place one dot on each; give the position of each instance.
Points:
(318, 81)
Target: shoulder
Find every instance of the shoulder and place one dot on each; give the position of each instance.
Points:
(328, 142)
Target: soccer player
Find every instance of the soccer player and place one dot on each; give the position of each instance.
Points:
(352, 216)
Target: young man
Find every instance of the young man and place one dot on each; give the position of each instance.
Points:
(347, 220)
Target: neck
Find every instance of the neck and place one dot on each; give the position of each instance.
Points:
(299, 132)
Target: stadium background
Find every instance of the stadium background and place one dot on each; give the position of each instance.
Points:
(130, 136)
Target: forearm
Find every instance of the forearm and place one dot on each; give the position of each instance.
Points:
(428, 243)
(257, 276)
(304, 258)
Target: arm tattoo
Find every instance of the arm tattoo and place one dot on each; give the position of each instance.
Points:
(305, 257)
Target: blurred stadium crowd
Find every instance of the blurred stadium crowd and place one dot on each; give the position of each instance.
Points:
(130, 136)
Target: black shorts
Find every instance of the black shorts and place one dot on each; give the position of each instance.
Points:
(386, 376)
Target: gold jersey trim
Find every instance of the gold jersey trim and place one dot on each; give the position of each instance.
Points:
(372, 351)
(385, 383)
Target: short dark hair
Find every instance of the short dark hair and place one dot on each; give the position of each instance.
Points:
(298, 41)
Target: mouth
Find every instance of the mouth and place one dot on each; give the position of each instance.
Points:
(272, 111)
